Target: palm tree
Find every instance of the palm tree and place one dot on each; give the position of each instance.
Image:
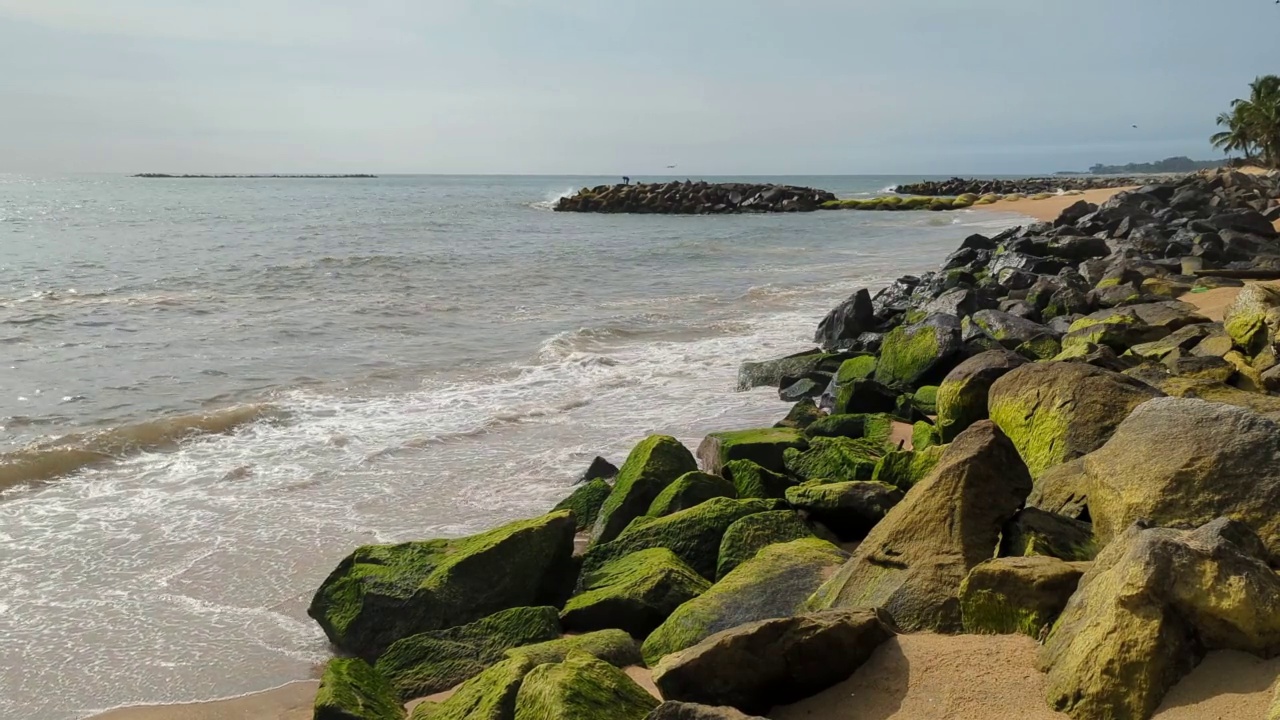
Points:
(1236, 137)
(1253, 124)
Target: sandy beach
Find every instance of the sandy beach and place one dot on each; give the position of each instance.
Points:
(1049, 208)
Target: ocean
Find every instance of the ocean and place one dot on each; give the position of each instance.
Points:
(212, 390)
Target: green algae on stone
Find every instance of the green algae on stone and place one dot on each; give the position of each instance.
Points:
(748, 536)
(1036, 532)
(690, 489)
(801, 415)
(925, 435)
(432, 662)
(585, 502)
(763, 446)
(907, 354)
(615, 647)
(926, 399)
(634, 593)
(849, 509)
(877, 427)
(491, 695)
(351, 689)
(1011, 595)
(859, 368)
(581, 688)
(904, 468)
(750, 480)
(837, 459)
(1040, 347)
(652, 465)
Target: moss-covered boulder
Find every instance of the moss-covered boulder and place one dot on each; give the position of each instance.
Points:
(877, 427)
(925, 435)
(962, 396)
(1010, 331)
(1144, 614)
(750, 480)
(1118, 329)
(351, 689)
(912, 355)
(858, 368)
(771, 373)
(925, 399)
(764, 446)
(615, 647)
(913, 561)
(756, 666)
(1036, 532)
(904, 468)
(1012, 595)
(1180, 341)
(1253, 317)
(849, 509)
(491, 695)
(673, 710)
(429, 663)
(633, 593)
(774, 583)
(862, 396)
(585, 502)
(801, 415)
(383, 593)
(652, 465)
(753, 533)
(837, 459)
(690, 489)
(1055, 412)
(581, 688)
(693, 535)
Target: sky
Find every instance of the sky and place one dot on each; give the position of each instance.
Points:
(617, 87)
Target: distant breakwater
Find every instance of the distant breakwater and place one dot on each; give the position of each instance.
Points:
(1024, 186)
(252, 177)
(695, 198)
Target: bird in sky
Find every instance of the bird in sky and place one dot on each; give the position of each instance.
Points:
(669, 167)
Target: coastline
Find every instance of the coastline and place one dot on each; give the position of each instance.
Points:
(288, 702)
(1048, 209)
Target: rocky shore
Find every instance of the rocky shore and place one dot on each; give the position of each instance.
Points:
(1039, 438)
(1026, 186)
(694, 198)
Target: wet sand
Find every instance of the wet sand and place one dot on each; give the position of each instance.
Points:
(1213, 303)
(291, 702)
(1050, 208)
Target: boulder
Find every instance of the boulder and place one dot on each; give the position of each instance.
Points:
(581, 688)
(801, 415)
(849, 509)
(771, 373)
(1181, 341)
(613, 646)
(913, 355)
(585, 503)
(491, 695)
(352, 690)
(652, 465)
(1058, 411)
(773, 662)
(1036, 532)
(1252, 318)
(600, 469)
(1008, 330)
(859, 397)
(750, 480)
(876, 426)
(1118, 329)
(433, 662)
(962, 397)
(904, 468)
(673, 710)
(690, 489)
(753, 533)
(846, 321)
(837, 459)
(1011, 595)
(856, 368)
(765, 447)
(634, 593)
(383, 593)
(775, 583)
(1155, 600)
(912, 562)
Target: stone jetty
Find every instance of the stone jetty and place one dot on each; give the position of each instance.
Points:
(695, 198)
(1023, 186)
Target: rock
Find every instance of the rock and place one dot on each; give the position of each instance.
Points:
(959, 302)
(634, 593)
(673, 710)
(849, 509)
(1118, 329)
(1155, 600)
(874, 426)
(433, 662)
(1036, 532)
(352, 690)
(770, 373)
(913, 561)
(925, 399)
(1252, 318)
(801, 415)
(382, 593)
(613, 646)
(1017, 594)
(581, 688)
(1248, 221)
(962, 397)
(600, 469)
(1072, 214)
(652, 465)
(904, 468)
(775, 583)
(1180, 341)
(690, 489)
(856, 368)
(836, 459)
(585, 503)
(809, 386)
(491, 695)
(846, 321)
(914, 355)
(750, 480)
(765, 447)
(693, 535)
(1055, 412)
(1009, 330)
(862, 396)
(748, 536)
(773, 662)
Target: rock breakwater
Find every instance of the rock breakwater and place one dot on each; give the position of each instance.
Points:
(694, 198)
(1023, 186)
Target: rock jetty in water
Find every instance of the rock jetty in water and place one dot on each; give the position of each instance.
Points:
(694, 198)
(1023, 186)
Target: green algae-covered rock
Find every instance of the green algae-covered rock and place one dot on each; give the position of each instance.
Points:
(904, 468)
(772, 372)
(914, 354)
(615, 647)
(1182, 340)
(1012, 595)
(848, 509)
(864, 396)
(1036, 532)
(1040, 347)
(429, 663)
(925, 435)
(1117, 328)
(491, 695)
(763, 446)
(585, 502)
(962, 397)
(382, 593)
(750, 480)
(751, 534)
(352, 690)
(634, 593)
(652, 465)
(859, 368)
(801, 415)
(926, 399)
(876, 427)
(837, 459)
(581, 688)
(1252, 318)
(693, 535)
(690, 489)
(1055, 412)
(775, 583)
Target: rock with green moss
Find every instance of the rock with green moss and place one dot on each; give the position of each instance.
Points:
(693, 535)
(1040, 347)
(1180, 341)
(904, 468)
(913, 355)
(858, 368)
(774, 583)
(1009, 330)
(585, 502)
(432, 662)
(690, 489)
(837, 459)
(383, 593)
(770, 373)
(1010, 595)
(1253, 317)
(491, 695)
(802, 414)
(878, 427)
(652, 465)
(613, 646)
(925, 399)
(634, 593)
(1117, 328)
(925, 435)
(750, 480)
(1036, 532)
(581, 688)
(849, 509)
(1055, 412)
(861, 396)
(351, 689)
(764, 446)
(962, 397)
(753, 533)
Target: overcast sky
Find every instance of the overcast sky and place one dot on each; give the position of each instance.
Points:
(616, 86)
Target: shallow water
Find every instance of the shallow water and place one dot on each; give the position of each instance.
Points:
(350, 361)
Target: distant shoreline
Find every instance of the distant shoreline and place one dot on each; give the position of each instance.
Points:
(252, 177)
